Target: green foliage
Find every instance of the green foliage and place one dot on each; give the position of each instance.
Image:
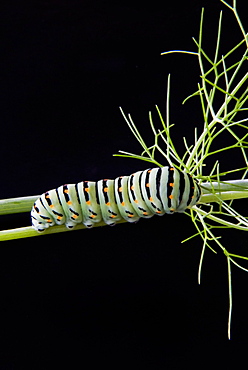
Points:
(223, 94)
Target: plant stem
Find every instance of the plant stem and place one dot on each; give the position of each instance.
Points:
(211, 192)
(27, 232)
(17, 205)
(216, 191)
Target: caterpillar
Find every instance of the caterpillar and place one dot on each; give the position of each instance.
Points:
(143, 194)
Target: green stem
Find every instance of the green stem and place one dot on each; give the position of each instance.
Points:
(239, 189)
(216, 191)
(17, 205)
(27, 232)
(211, 192)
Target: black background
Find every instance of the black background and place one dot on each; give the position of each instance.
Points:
(125, 296)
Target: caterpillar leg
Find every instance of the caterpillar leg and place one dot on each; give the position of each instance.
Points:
(41, 219)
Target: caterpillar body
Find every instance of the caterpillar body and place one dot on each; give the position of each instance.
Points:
(143, 194)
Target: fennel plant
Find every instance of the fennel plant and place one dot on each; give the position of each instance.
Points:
(223, 95)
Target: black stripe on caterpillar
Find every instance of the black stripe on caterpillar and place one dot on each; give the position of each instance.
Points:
(143, 194)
